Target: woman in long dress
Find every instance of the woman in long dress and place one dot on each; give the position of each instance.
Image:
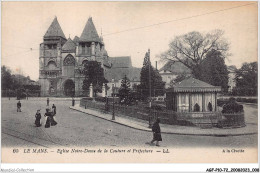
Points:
(156, 132)
(38, 118)
(54, 112)
(48, 116)
(53, 121)
(54, 109)
(50, 121)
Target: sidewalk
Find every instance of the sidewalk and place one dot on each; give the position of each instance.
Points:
(170, 129)
(45, 98)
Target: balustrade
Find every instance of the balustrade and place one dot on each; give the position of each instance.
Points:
(51, 73)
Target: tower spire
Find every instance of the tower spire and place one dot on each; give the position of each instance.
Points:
(89, 33)
(55, 30)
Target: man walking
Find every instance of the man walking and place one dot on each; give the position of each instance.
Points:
(156, 132)
(19, 105)
(48, 101)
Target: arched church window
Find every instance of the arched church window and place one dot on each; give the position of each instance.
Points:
(210, 107)
(84, 62)
(51, 65)
(83, 48)
(69, 60)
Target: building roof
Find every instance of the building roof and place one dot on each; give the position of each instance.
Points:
(76, 39)
(89, 33)
(231, 68)
(133, 74)
(105, 53)
(55, 30)
(193, 85)
(175, 67)
(121, 62)
(107, 63)
(121, 66)
(69, 46)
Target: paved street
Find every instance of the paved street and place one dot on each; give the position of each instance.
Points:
(78, 129)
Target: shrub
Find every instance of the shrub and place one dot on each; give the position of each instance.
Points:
(232, 106)
(100, 99)
(156, 107)
(88, 98)
(221, 102)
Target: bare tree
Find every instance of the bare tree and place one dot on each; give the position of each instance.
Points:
(190, 49)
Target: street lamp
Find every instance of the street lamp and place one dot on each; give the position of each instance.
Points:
(72, 96)
(150, 118)
(113, 94)
(27, 94)
(150, 92)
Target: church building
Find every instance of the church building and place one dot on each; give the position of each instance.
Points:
(62, 60)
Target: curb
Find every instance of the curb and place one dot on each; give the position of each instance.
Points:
(192, 134)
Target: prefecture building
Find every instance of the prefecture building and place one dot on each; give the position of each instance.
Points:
(61, 61)
(171, 70)
(231, 77)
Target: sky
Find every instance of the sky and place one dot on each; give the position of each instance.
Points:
(25, 23)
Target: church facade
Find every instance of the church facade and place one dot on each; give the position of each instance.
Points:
(62, 60)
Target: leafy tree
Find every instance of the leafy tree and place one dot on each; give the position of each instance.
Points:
(85, 86)
(124, 89)
(157, 85)
(6, 78)
(11, 81)
(214, 70)
(246, 79)
(16, 81)
(191, 49)
(94, 74)
(14, 84)
(135, 87)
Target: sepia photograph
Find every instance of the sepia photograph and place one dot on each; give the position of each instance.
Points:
(129, 82)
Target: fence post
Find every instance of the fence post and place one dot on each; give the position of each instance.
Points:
(106, 105)
(113, 113)
(73, 101)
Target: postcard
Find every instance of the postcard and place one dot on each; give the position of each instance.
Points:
(129, 82)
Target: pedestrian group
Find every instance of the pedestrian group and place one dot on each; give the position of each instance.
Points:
(49, 115)
(51, 121)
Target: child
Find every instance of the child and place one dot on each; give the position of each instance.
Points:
(38, 118)
(19, 105)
